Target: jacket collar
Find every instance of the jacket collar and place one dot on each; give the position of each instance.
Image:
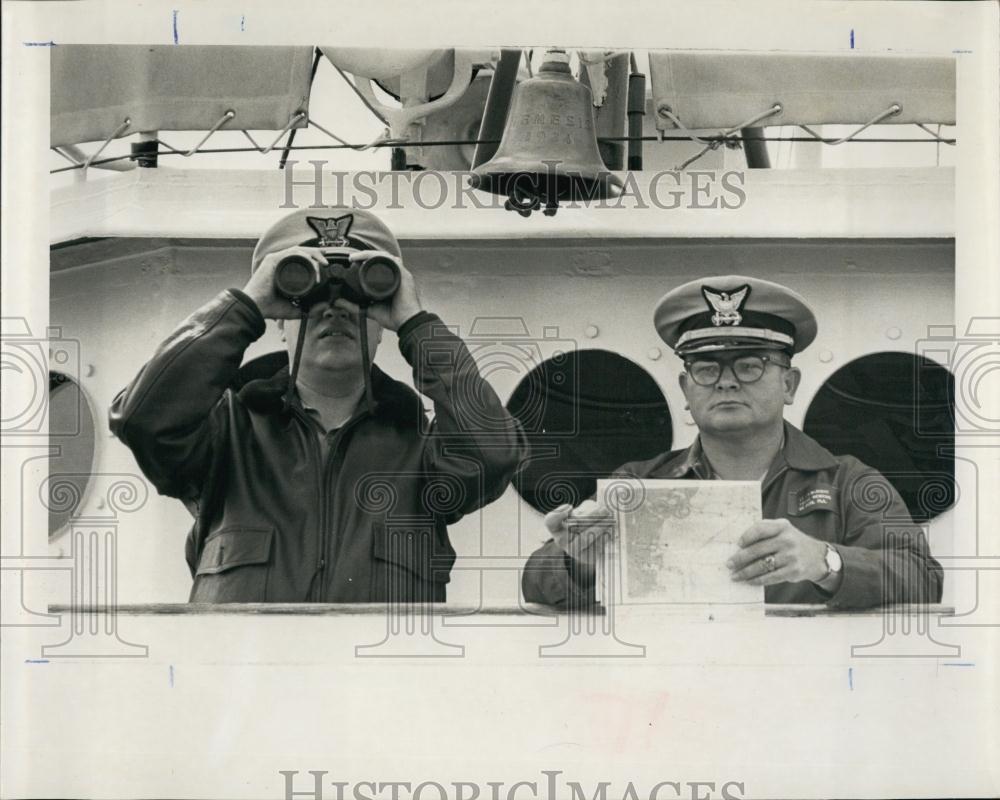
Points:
(394, 401)
(688, 463)
(800, 452)
(804, 453)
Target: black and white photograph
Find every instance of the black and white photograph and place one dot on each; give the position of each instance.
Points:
(500, 402)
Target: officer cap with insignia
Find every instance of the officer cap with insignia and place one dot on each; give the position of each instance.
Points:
(338, 226)
(734, 312)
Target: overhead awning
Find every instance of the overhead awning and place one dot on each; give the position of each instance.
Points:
(95, 88)
(712, 90)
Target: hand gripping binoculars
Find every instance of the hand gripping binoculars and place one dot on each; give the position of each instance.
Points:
(374, 279)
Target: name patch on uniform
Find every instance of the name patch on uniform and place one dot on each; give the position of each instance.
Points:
(814, 497)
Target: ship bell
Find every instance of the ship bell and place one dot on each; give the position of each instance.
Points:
(548, 151)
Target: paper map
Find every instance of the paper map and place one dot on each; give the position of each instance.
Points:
(674, 537)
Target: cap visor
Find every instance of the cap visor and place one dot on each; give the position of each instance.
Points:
(715, 345)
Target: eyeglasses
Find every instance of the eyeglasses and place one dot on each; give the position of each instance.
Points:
(747, 369)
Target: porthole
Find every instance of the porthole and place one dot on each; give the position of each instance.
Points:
(72, 458)
(585, 414)
(894, 411)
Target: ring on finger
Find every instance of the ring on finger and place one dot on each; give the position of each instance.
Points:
(769, 563)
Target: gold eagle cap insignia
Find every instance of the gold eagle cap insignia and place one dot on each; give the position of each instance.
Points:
(727, 306)
(332, 231)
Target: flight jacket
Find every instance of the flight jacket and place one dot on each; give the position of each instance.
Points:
(836, 499)
(275, 520)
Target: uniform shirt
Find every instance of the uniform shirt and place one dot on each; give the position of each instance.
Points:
(325, 436)
(836, 499)
(830, 582)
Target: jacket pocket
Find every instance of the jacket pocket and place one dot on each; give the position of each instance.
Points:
(234, 566)
(408, 565)
(809, 499)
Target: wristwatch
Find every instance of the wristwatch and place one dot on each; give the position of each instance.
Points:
(834, 566)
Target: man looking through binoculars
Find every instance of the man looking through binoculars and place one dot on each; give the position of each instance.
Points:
(294, 480)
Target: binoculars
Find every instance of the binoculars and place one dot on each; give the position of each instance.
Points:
(371, 280)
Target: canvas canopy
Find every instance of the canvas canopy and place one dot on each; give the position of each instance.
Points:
(166, 88)
(722, 90)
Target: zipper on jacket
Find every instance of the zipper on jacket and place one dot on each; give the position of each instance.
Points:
(325, 520)
(315, 588)
(323, 478)
(334, 448)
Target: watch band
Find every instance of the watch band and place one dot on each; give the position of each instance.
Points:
(829, 581)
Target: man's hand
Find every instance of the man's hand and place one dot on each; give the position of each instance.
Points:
(260, 287)
(775, 551)
(404, 304)
(579, 531)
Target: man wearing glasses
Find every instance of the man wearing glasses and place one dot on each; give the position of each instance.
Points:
(815, 544)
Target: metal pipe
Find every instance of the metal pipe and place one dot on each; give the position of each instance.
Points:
(144, 152)
(636, 111)
(397, 159)
(609, 118)
(497, 104)
(755, 148)
(78, 157)
(291, 134)
(126, 123)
